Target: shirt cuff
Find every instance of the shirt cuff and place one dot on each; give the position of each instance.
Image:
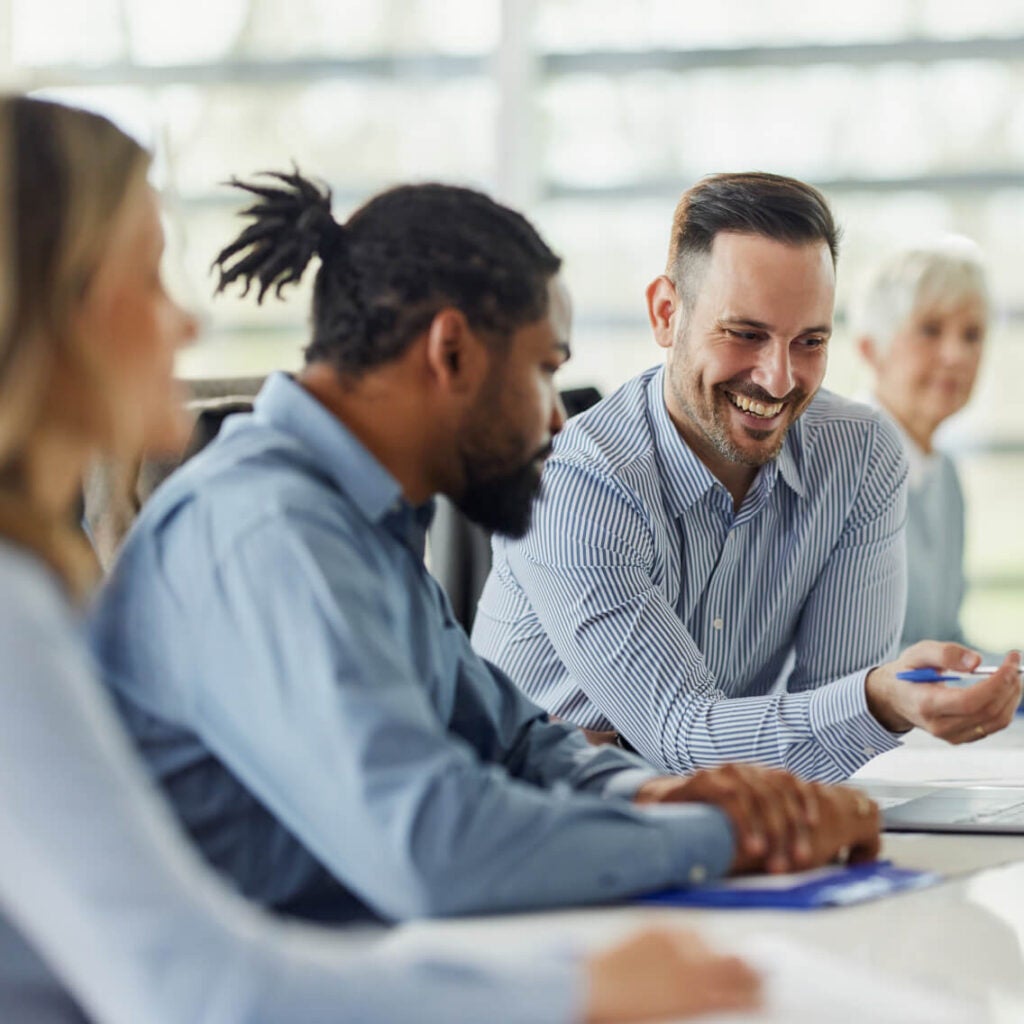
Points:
(843, 725)
(701, 837)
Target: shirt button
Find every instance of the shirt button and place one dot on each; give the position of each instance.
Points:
(698, 874)
(718, 623)
(869, 751)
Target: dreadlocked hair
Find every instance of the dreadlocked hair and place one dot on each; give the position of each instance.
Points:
(399, 259)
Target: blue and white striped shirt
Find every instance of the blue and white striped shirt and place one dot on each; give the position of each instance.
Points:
(641, 602)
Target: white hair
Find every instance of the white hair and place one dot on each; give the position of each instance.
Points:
(940, 275)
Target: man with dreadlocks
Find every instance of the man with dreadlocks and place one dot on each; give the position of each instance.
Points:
(295, 677)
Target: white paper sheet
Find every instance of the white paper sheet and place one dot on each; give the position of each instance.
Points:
(805, 986)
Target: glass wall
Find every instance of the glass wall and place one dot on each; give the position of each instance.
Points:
(592, 115)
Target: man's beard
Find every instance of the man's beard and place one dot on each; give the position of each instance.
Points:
(500, 502)
(711, 419)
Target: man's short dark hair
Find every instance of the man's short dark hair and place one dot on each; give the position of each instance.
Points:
(771, 205)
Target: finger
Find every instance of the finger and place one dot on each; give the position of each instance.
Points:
(795, 807)
(1001, 717)
(868, 844)
(973, 730)
(746, 813)
(865, 837)
(939, 654)
(812, 810)
(972, 703)
(851, 823)
(778, 808)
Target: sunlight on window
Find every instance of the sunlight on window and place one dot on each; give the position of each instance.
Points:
(909, 141)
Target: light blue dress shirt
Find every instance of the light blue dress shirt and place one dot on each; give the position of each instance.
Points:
(641, 601)
(297, 682)
(103, 897)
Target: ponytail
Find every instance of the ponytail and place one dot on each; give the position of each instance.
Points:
(397, 261)
(290, 226)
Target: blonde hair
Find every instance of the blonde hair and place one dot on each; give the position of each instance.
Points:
(939, 275)
(64, 175)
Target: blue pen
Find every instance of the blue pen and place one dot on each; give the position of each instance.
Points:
(936, 675)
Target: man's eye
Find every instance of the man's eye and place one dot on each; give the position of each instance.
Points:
(814, 342)
(744, 335)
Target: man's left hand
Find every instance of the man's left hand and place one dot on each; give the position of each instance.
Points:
(781, 822)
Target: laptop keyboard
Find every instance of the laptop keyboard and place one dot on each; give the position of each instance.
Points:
(1007, 813)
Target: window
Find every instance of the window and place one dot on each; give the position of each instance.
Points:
(592, 115)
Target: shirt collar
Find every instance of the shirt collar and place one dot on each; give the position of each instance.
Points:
(340, 456)
(687, 479)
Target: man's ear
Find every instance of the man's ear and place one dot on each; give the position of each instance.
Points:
(456, 357)
(662, 305)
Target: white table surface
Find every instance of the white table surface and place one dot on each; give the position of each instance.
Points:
(962, 938)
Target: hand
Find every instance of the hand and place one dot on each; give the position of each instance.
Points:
(600, 737)
(781, 822)
(957, 715)
(658, 975)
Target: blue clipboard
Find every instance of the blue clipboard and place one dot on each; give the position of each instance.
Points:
(838, 886)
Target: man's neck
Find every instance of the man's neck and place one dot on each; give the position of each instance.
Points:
(381, 413)
(735, 477)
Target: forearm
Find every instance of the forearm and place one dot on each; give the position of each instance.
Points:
(472, 845)
(825, 734)
(323, 981)
(550, 753)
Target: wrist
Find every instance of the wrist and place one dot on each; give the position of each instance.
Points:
(659, 789)
(880, 689)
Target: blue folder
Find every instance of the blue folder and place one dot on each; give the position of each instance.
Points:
(835, 887)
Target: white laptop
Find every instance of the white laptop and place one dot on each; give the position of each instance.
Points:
(924, 808)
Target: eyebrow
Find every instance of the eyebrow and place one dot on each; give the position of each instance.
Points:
(762, 326)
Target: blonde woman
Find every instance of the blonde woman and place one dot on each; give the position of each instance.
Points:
(104, 909)
(921, 328)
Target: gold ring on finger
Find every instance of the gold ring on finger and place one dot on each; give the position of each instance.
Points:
(863, 807)
(979, 731)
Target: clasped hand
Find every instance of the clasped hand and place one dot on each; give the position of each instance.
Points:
(781, 823)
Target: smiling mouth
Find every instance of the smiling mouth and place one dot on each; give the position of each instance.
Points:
(762, 410)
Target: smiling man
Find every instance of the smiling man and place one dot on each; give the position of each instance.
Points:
(293, 675)
(721, 517)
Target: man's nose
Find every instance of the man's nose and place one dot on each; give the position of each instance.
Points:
(774, 369)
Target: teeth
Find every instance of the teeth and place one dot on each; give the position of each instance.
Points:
(757, 408)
